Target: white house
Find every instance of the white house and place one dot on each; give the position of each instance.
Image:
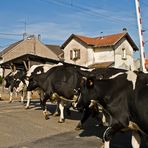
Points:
(114, 50)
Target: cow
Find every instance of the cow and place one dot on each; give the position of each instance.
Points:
(99, 73)
(124, 98)
(10, 80)
(23, 82)
(60, 82)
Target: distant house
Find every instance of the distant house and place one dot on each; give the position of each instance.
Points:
(112, 50)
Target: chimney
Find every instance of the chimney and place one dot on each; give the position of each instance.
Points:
(124, 29)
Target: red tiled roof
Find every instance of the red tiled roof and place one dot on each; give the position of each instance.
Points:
(146, 61)
(108, 40)
(103, 40)
(146, 64)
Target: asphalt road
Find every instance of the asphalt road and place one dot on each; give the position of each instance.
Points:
(20, 128)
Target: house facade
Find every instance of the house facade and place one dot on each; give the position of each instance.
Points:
(112, 50)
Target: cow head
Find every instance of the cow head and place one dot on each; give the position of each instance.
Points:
(85, 96)
(20, 83)
(32, 85)
(9, 80)
(17, 80)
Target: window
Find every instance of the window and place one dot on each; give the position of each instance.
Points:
(123, 54)
(75, 54)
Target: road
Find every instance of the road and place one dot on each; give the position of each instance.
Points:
(20, 128)
(27, 128)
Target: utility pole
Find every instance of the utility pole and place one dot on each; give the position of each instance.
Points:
(139, 21)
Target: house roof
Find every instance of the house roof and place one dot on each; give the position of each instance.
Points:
(102, 41)
(10, 47)
(146, 64)
(19, 61)
(102, 65)
(55, 48)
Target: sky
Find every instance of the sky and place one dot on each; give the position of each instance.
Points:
(56, 20)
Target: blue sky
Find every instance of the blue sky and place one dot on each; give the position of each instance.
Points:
(56, 20)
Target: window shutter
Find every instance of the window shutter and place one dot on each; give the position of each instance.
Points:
(78, 54)
(71, 54)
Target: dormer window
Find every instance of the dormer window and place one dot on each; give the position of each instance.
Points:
(75, 54)
(123, 53)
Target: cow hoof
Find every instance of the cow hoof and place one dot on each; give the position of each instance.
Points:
(56, 114)
(102, 146)
(61, 121)
(79, 127)
(46, 117)
(10, 101)
(27, 107)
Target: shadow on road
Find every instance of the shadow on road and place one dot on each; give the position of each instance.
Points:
(120, 140)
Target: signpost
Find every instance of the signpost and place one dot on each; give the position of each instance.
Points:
(139, 20)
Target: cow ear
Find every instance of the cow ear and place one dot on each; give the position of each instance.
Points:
(83, 81)
(90, 82)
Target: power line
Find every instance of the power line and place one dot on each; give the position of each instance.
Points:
(144, 3)
(13, 34)
(85, 10)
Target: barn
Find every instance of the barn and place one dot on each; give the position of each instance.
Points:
(27, 52)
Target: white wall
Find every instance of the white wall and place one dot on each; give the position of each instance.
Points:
(91, 55)
(83, 52)
(103, 55)
(129, 61)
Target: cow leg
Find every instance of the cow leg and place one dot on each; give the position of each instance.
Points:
(23, 96)
(136, 140)
(106, 144)
(56, 113)
(86, 114)
(61, 107)
(111, 131)
(145, 138)
(44, 107)
(10, 96)
(28, 99)
(22, 99)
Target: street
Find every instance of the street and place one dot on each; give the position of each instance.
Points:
(28, 128)
(20, 128)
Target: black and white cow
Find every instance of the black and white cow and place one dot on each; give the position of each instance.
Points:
(99, 73)
(124, 98)
(10, 81)
(60, 82)
(23, 82)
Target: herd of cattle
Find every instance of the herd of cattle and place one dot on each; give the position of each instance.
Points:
(118, 98)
